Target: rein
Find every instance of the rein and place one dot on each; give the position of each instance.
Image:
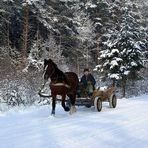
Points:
(46, 70)
(47, 79)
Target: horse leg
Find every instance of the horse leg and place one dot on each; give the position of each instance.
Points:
(72, 101)
(53, 104)
(66, 108)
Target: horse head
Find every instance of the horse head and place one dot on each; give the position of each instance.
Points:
(49, 68)
(45, 63)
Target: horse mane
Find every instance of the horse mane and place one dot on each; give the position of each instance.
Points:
(54, 64)
(56, 67)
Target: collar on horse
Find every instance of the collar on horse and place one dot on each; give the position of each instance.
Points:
(59, 84)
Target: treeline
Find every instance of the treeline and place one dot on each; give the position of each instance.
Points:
(78, 34)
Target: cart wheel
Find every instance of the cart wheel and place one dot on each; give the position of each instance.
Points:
(98, 104)
(113, 101)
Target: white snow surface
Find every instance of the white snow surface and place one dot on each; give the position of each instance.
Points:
(34, 127)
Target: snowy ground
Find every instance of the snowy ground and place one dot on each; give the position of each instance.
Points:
(124, 126)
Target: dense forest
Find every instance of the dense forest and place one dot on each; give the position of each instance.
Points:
(108, 36)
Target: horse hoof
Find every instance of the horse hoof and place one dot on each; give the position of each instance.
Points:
(72, 110)
(67, 109)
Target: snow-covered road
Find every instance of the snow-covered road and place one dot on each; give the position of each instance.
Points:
(123, 127)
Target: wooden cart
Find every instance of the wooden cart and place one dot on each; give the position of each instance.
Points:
(106, 95)
(98, 96)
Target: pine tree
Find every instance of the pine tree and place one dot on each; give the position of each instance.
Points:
(25, 31)
(121, 57)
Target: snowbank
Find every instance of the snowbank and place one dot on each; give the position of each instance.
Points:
(124, 126)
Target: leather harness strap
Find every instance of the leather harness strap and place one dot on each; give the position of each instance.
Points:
(60, 84)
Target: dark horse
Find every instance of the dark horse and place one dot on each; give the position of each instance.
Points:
(61, 84)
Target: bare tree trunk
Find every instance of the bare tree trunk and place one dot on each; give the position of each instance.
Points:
(123, 86)
(38, 37)
(97, 52)
(87, 58)
(8, 32)
(78, 66)
(114, 82)
(25, 33)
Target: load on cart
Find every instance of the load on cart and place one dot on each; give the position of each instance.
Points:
(88, 98)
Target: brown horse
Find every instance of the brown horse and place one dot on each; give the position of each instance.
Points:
(61, 84)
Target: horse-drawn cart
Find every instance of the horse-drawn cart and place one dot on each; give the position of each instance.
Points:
(106, 95)
(96, 99)
(98, 96)
(66, 84)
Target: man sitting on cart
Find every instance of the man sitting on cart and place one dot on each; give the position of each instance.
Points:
(88, 82)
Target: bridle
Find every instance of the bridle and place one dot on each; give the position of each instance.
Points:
(45, 69)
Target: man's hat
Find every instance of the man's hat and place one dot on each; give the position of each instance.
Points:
(86, 69)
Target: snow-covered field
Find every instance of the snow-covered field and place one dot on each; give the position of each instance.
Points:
(123, 127)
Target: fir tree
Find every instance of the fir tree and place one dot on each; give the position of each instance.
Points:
(121, 57)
